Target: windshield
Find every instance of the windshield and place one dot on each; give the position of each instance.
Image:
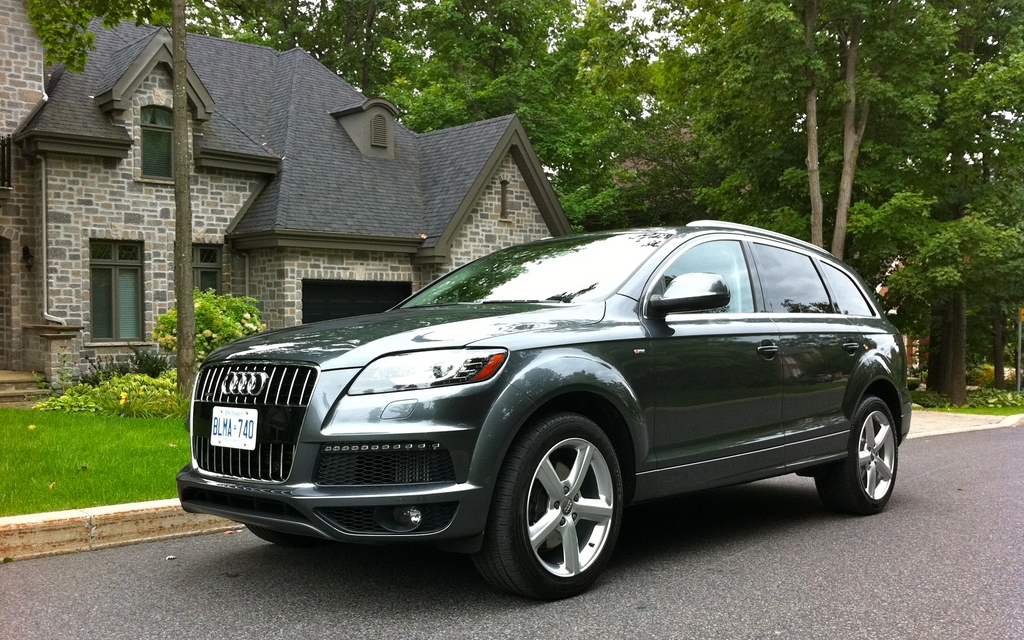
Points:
(572, 269)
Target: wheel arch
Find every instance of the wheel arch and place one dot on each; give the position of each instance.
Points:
(886, 391)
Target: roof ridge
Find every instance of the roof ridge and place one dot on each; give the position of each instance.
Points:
(468, 125)
(149, 34)
(233, 41)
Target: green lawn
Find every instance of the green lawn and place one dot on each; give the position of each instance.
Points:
(983, 411)
(51, 460)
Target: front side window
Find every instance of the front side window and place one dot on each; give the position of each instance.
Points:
(206, 267)
(116, 270)
(790, 281)
(157, 126)
(724, 258)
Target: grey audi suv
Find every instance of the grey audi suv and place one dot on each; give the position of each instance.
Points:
(514, 407)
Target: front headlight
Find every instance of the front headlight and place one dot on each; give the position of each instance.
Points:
(425, 369)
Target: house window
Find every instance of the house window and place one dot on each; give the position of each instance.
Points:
(504, 199)
(157, 126)
(116, 269)
(206, 267)
(378, 131)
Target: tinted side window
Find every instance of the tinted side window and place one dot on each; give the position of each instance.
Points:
(724, 258)
(848, 295)
(791, 283)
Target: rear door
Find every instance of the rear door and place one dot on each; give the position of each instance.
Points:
(819, 349)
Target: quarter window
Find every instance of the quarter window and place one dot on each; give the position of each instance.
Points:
(848, 295)
(116, 270)
(157, 126)
(206, 267)
(791, 283)
(724, 258)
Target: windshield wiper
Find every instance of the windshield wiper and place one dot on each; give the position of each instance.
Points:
(510, 301)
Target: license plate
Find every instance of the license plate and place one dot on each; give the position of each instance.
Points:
(234, 427)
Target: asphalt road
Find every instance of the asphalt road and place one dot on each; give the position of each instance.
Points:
(763, 560)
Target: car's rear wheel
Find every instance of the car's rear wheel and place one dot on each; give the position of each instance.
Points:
(284, 539)
(862, 483)
(556, 510)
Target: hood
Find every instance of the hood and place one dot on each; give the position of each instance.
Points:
(355, 342)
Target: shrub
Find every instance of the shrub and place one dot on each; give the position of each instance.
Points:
(929, 399)
(219, 320)
(983, 376)
(994, 398)
(132, 395)
(149, 363)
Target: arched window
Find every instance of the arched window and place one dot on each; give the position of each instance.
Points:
(379, 131)
(157, 125)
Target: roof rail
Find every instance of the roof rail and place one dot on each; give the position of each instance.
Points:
(718, 224)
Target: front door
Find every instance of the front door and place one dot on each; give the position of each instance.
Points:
(5, 303)
(719, 389)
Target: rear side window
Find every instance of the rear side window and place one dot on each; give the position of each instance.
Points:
(724, 258)
(790, 281)
(848, 295)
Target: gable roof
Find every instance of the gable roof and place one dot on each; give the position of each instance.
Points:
(276, 113)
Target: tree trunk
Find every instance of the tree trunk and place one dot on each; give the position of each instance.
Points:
(935, 351)
(954, 350)
(998, 345)
(813, 171)
(183, 208)
(853, 134)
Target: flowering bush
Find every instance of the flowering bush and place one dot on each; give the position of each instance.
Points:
(133, 395)
(219, 320)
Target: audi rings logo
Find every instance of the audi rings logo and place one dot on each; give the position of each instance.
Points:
(244, 383)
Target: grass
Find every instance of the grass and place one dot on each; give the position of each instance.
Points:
(51, 461)
(980, 411)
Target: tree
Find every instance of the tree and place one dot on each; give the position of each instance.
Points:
(63, 29)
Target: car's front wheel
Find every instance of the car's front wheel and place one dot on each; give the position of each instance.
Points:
(862, 483)
(556, 510)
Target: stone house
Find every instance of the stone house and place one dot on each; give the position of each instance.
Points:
(306, 195)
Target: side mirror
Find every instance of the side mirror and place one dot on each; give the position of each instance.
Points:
(691, 292)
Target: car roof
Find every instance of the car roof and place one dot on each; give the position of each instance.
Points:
(755, 231)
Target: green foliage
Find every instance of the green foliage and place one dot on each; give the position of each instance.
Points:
(929, 399)
(142, 361)
(132, 395)
(219, 320)
(994, 398)
(61, 25)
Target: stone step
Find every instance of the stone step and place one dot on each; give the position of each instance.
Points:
(19, 380)
(20, 396)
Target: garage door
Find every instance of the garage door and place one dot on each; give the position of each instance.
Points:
(327, 299)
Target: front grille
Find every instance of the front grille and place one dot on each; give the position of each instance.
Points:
(288, 386)
(281, 403)
(268, 461)
(364, 519)
(399, 463)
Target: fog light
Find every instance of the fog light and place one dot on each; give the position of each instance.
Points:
(408, 517)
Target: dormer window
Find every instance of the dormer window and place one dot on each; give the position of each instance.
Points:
(379, 131)
(157, 127)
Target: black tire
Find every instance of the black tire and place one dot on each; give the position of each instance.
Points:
(523, 497)
(284, 539)
(862, 483)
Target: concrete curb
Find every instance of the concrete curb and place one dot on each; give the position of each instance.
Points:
(1009, 421)
(45, 534)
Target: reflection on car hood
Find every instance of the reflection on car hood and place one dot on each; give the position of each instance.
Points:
(354, 342)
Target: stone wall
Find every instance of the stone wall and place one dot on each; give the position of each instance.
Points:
(21, 89)
(107, 199)
(485, 230)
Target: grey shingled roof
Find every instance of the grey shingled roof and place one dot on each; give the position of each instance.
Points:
(279, 104)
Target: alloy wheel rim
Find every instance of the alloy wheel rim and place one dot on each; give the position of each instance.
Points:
(876, 453)
(570, 507)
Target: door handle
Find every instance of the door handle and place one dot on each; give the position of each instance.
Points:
(851, 347)
(768, 349)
